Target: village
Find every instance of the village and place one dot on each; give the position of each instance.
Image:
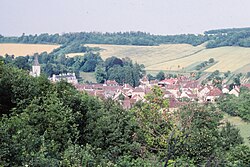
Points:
(180, 91)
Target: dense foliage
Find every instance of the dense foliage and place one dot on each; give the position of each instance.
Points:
(44, 124)
(229, 37)
(121, 70)
(119, 38)
(237, 106)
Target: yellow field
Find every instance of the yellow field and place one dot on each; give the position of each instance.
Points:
(74, 54)
(25, 49)
(179, 56)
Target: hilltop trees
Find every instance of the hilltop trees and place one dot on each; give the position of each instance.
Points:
(119, 38)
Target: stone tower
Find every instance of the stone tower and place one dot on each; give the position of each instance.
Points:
(36, 68)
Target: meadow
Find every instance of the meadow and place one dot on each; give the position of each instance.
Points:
(241, 125)
(179, 57)
(25, 49)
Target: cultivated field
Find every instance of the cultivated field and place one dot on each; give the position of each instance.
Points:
(176, 57)
(25, 49)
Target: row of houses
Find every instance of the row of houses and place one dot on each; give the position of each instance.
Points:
(179, 91)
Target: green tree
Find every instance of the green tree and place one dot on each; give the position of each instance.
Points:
(211, 60)
(152, 118)
(100, 74)
(117, 137)
(160, 76)
(239, 156)
(39, 134)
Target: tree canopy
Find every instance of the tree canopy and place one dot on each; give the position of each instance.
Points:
(45, 124)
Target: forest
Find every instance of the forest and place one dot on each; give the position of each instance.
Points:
(45, 124)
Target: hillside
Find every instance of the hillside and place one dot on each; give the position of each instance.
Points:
(25, 49)
(178, 57)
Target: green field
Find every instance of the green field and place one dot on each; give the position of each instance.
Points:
(178, 57)
(240, 124)
(88, 76)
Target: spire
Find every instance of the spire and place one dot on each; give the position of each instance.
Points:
(36, 63)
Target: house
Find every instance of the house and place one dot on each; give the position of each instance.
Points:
(138, 91)
(68, 77)
(111, 83)
(213, 94)
(171, 81)
(235, 91)
(225, 89)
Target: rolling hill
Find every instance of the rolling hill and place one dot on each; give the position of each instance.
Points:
(180, 57)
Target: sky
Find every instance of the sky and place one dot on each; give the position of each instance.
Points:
(154, 16)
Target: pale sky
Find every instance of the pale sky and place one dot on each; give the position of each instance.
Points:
(153, 16)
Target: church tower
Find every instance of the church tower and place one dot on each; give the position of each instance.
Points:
(36, 68)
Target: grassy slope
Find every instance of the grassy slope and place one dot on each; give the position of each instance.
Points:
(242, 125)
(88, 76)
(180, 56)
(25, 49)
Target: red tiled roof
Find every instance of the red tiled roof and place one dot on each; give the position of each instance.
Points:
(246, 85)
(138, 89)
(215, 92)
(113, 82)
(97, 86)
(169, 81)
(127, 86)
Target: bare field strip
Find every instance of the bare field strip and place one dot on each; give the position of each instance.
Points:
(179, 56)
(74, 54)
(25, 49)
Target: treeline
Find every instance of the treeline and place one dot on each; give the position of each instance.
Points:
(214, 38)
(229, 37)
(204, 64)
(227, 30)
(44, 124)
(119, 38)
